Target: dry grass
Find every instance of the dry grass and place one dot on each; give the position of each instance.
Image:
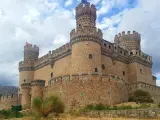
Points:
(87, 118)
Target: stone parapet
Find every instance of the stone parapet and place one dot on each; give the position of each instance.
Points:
(26, 66)
(31, 47)
(86, 32)
(7, 101)
(128, 41)
(84, 76)
(38, 83)
(26, 85)
(86, 38)
(117, 53)
(152, 89)
(142, 85)
(5, 98)
(86, 9)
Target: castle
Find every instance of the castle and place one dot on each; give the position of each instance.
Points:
(88, 69)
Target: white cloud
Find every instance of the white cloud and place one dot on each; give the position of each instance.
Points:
(68, 3)
(158, 82)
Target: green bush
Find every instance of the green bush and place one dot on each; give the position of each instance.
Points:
(100, 107)
(51, 104)
(159, 105)
(10, 114)
(16, 108)
(140, 96)
(144, 106)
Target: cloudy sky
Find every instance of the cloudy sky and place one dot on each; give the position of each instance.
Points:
(47, 23)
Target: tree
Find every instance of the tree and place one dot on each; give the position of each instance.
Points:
(140, 96)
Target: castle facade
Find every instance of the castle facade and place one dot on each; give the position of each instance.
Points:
(88, 69)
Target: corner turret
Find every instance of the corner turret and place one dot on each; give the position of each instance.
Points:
(26, 67)
(31, 52)
(86, 40)
(129, 41)
(86, 24)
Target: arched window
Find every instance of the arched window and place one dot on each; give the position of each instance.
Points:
(105, 44)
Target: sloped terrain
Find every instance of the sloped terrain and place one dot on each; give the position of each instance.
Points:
(7, 90)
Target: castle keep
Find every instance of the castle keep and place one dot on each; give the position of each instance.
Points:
(88, 69)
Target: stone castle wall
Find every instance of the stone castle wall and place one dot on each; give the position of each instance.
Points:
(153, 90)
(6, 102)
(80, 90)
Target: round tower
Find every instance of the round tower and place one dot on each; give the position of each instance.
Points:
(26, 96)
(86, 41)
(26, 67)
(37, 87)
(129, 41)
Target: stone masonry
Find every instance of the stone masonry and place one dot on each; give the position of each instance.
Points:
(88, 69)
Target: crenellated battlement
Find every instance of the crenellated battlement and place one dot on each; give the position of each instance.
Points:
(26, 65)
(94, 32)
(6, 98)
(91, 34)
(84, 77)
(86, 9)
(145, 86)
(31, 52)
(31, 47)
(128, 34)
(52, 55)
(129, 41)
(38, 83)
(141, 55)
(115, 51)
(26, 85)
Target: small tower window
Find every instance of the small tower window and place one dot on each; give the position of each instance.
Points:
(123, 73)
(51, 74)
(103, 66)
(24, 80)
(141, 71)
(96, 70)
(109, 47)
(105, 44)
(90, 56)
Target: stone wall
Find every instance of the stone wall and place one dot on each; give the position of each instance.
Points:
(7, 101)
(80, 90)
(153, 90)
(134, 113)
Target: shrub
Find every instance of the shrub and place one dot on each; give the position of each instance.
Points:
(51, 104)
(16, 108)
(140, 96)
(159, 105)
(10, 114)
(100, 107)
(143, 106)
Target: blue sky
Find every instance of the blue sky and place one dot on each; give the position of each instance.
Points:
(47, 23)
